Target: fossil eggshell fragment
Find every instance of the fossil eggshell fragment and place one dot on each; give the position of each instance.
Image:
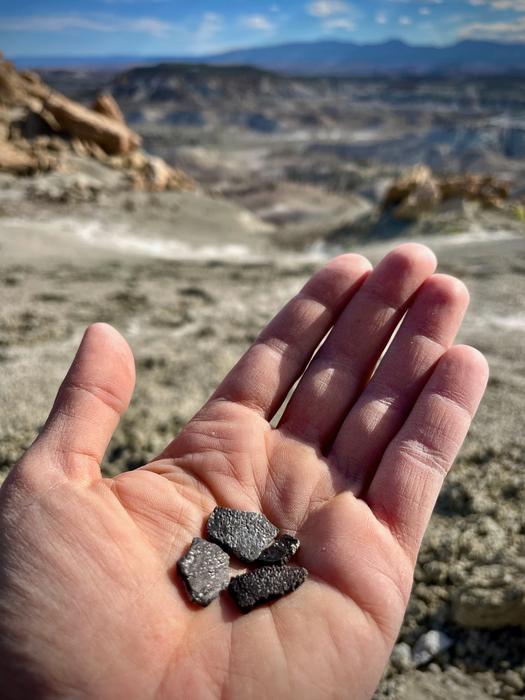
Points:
(205, 571)
(243, 534)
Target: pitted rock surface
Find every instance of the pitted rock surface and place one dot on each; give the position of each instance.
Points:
(280, 552)
(243, 534)
(205, 571)
(265, 584)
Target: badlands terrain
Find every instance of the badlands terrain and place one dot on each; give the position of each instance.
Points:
(244, 183)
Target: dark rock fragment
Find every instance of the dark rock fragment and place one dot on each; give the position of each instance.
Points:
(205, 571)
(243, 534)
(264, 584)
(280, 552)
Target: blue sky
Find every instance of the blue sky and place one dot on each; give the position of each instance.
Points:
(186, 27)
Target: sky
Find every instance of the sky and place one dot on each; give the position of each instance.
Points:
(193, 27)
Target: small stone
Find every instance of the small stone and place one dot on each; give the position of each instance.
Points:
(401, 658)
(280, 552)
(265, 584)
(243, 534)
(429, 645)
(205, 571)
(513, 680)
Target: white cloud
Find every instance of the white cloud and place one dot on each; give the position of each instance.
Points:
(259, 22)
(405, 21)
(335, 14)
(200, 38)
(339, 23)
(211, 24)
(516, 5)
(94, 23)
(148, 25)
(425, 11)
(328, 8)
(513, 31)
(381, 18)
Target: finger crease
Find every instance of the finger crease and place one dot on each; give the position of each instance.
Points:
(106, 397)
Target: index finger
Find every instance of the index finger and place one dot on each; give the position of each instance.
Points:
(263, 377)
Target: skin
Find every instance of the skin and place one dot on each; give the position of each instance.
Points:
(90, 604)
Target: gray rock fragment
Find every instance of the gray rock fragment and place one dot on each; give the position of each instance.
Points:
(205, 571)
(513, 680)
(265, 584)
(401, 658)
(280, 551)
(243, 534)
(429, 645)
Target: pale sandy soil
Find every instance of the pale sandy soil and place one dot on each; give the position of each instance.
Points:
(188, 320)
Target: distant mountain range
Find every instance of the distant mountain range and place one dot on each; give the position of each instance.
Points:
(333, 58)
(325, 57)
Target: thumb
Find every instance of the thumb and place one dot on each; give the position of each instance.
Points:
(95, 393)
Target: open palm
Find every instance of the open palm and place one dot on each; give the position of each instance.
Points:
(90, 606)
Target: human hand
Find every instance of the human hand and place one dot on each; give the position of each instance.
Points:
(90, 606)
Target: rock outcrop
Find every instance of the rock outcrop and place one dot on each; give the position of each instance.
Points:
(482, 188)
(41, 129)
(419, 192)
(155, 176)
(78, 121)
(16, 161)
(18, 89)
(106, 105)
(26, 89)
(414, 194)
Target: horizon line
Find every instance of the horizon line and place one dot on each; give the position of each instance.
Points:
(260, 46)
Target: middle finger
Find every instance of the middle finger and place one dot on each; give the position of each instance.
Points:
(343, 364)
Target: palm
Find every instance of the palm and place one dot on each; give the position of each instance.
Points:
(319, 474)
